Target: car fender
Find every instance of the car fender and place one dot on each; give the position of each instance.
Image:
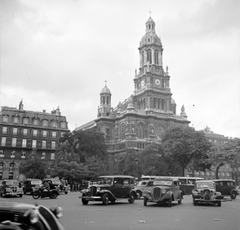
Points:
(133, 191)
(234, 190)
(109, 192)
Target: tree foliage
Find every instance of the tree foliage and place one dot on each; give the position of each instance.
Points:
(81, 154)
(186, 147)
(226, 153)
(33, 167)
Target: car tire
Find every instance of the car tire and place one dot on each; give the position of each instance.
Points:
(20, 195)
(84, 201)
(139, 194)
(219, 203)
(170, 202)
(145, 200)
(132, 198)
(233, 195)
(187, 192)
(195, 202)
(105, 199)
(54, 195)
(180, 201)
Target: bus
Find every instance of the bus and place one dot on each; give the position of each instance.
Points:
(187, 184)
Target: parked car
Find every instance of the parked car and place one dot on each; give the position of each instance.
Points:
(110, 189)
(11, 188)
(227, 187)
(142, 186)
(23, 216)
(30, 185)
(163, 190)
(204, 192)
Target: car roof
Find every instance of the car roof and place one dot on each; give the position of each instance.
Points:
(116, 176)
(223, 180)
(14, 206)
(202, 181)
(167, 178)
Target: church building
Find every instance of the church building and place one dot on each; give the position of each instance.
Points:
(141, 119)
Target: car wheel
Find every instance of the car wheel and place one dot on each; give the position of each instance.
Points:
(132, 198)
(105, 199)
(170, 202)
(187, 192)
(54, 195)
(139, 194)
(233, 195)
(180, 201)
(145, 200)
(195, 202)
(84, 201)
(20, 195)
(219, 203)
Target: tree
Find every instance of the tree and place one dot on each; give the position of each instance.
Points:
(152, 162)
(226, 153)
(33, 167)
(83, 153)
(186, 147)
(80, 145)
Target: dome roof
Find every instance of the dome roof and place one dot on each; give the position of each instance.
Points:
(173, 102)
(105, 90)
(150, 36)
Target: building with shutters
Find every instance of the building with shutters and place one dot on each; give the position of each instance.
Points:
(23, 132)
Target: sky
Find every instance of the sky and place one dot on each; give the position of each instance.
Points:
(63, 52)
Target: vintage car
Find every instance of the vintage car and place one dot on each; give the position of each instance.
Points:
(30, 185)
(23, 216)
(142, 186)
(11, 188)
(110, 188)
(227, 187)
(163, 190)
(205, 192)
(56, 183)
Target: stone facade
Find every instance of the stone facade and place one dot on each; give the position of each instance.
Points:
(23, 132)
(141, 118)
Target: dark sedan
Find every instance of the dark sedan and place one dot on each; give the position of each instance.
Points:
(27, 216)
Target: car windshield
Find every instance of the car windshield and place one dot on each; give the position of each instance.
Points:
(12, 182)
(162, 182)
(209, 185)
(105, 180)
(141, 183)
(36, 182)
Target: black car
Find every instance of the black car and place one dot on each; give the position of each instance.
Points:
(227, 187)
(30, 185)
(110, 189)
(23, 216)
(204, 192)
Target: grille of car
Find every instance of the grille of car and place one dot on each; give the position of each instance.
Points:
(14, 189)
(156, 193)
(207, 195)
(48, 218)
(93, 190)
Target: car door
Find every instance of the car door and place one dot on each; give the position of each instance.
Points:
(117, 188)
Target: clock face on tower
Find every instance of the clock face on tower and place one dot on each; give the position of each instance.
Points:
(157, 81)
(142, 83)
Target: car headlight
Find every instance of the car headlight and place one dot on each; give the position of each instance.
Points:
(57, 211)
(32, 216)
(98, 189)
(164, 191)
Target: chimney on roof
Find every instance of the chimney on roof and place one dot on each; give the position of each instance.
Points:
(21, 105)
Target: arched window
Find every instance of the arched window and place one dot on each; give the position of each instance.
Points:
(25, 121)
(122, 135)
(149, 56)
(45, 123)
(142, 59)
(156, 57)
